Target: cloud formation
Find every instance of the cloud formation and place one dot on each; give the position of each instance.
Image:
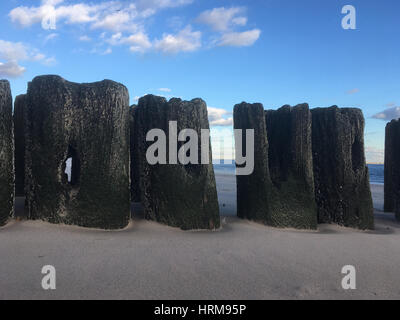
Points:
(223, 19)
(219, 117)
(185, 40)
(374, 155)
(50, 37)
(114, 16)
(138, 42)
(11, 53)
(125, 23)
(240, 39)
(226, 21)
(11, 69)
(85, 38)
(388, 114)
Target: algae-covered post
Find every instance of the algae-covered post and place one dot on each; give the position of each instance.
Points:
(291, 167)
(6, 154)
(179, 195)
(341, 175)
(280, 190)
(77, 153)
(19, 136)
(392, 168)
(254, 190)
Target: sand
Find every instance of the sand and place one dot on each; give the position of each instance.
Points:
(243, 260)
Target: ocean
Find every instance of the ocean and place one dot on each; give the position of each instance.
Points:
(376, 171)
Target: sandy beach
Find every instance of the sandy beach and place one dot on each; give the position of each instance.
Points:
(243, 260)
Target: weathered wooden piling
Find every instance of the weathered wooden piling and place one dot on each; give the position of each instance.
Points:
(179, 195)
(392, 168)
(341, 175)
(6, 154)
(254, 191)
(84, 129)
(291, 167)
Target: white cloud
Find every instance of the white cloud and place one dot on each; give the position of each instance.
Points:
(222, 19)
(11, 53)
(126, 21)
(185, 40)
(138, 42)
(115, 39)
(38, 57)
(226, 21)
(374, 155)
(388, 114)
(51, 36)
(11, 69)
(121, 20)
(49, 61)
(164, 89)
(240, 39)
(81, 13)
(109, 15)
(77, 13)
(85, 38)
(240, 21)
(219, 117)
(222, 122)
(107, 51)
(102, 52)
(26, 16)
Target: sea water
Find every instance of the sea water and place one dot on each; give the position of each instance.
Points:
(376, 171)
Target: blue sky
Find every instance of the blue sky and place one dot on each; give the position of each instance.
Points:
(271, 51)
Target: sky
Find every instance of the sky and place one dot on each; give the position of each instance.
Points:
(275, 52)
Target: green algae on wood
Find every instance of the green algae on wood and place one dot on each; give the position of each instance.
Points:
(88, 124)
(341, 175)
(291, 167)
(392, 168)
(6, 154)
(183, 196)
(280, 191)
(254, 192)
